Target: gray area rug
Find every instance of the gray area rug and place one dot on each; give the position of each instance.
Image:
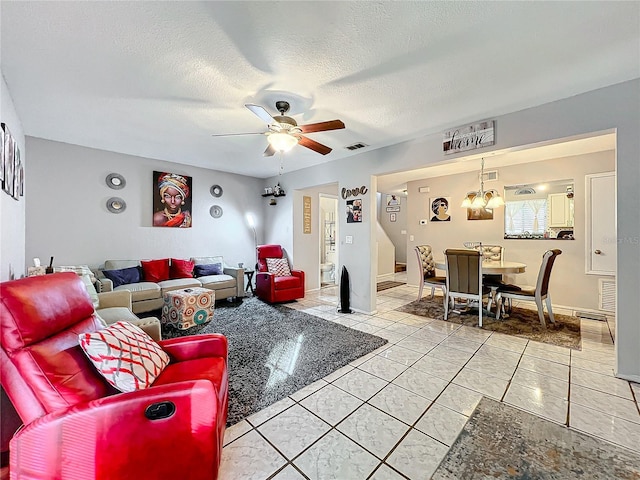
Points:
(565, 332)
(274, 351)
(500, 441)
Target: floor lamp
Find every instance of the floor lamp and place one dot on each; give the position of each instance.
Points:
(252, 223)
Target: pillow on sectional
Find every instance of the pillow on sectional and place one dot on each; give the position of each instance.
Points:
(155, 270)
(123, 276)
(279, 267)
(181, 268)
(95, 300)
(125, 356)
(208, 269)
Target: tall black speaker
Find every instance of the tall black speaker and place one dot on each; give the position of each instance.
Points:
(344, 291)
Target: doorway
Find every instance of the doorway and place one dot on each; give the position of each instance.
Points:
(328, 244)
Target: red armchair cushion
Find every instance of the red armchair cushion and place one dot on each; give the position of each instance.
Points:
(155, 270)
(284, 283)
(181, 268)
(279, 267)
(125, 356)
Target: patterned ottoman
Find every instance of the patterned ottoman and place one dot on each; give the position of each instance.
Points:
(188, 307)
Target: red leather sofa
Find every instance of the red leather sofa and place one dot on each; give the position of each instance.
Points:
(271, 288)
(76, 426)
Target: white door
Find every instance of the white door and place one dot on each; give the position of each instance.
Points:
(601, 237)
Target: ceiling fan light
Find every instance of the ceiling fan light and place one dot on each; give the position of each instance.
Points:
(282, 142)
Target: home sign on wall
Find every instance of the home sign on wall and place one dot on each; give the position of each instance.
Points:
(469, 137)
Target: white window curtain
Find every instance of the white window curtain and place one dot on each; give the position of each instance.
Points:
(526, 216)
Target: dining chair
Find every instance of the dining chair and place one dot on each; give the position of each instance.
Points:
(533, 294)
(464, 279)
(427, 267)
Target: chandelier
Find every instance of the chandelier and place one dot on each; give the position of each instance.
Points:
(481, 198)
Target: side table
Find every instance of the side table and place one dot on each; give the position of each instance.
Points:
(249, 275)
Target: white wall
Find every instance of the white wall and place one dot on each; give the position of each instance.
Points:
(68, 219)
(12, 212)
(386, 255)
(614, 107)
(307, 257)
(394, 229)
(570, 286)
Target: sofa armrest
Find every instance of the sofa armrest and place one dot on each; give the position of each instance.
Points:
(120, 298)
(195, 346)
(103, 284)
(238, 274)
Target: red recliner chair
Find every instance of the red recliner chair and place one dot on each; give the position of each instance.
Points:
(76, 426)
(271, 287)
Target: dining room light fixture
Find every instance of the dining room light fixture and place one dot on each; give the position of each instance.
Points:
(481, 198)
(282, 142)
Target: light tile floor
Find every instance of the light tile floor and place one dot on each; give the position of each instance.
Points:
(394, 413)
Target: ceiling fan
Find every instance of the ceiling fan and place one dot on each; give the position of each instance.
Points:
(284, 132)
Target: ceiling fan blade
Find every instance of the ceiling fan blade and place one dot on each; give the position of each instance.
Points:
(269, 152)
(262, 113)
(235, 134)
(322, 126)
(313, 145)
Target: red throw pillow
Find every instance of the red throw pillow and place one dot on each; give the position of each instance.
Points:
(181, 268)
(155, 270)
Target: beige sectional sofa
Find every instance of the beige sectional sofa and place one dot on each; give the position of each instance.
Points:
(147, 296)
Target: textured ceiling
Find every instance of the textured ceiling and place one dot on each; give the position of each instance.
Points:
(157, 79)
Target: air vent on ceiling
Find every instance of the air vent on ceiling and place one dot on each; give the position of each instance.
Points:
(356, 146)
(525, 191)
(490, 176)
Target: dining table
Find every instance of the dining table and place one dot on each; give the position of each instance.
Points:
(493, 267)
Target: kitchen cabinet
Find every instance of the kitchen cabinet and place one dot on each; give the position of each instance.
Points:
(560, 210)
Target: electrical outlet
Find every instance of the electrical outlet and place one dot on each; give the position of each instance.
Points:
(348, 239)
(411, 238)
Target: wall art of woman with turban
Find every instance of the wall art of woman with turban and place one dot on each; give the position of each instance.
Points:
(172, 207)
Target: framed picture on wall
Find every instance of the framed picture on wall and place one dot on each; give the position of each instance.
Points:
(171, 200)
(479, 214)
(392, 217)
(354, 210)
(2, 156)
(393, 200)
(440, 209)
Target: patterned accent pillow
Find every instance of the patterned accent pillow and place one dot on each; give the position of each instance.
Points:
(279, 267)
(125, 356)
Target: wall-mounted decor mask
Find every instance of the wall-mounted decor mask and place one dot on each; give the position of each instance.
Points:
(115, 181)
(216, 191)
(116, 205)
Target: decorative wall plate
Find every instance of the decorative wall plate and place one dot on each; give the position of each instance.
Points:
(116, 205)
(215, 211)
(216, 191)
(115, 181)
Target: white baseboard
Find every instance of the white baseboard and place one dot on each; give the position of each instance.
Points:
(629, 378)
